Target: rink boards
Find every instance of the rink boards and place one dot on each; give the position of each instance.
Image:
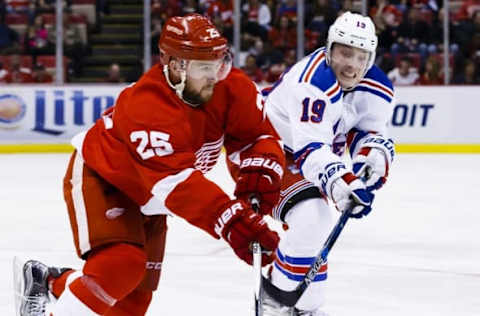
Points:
(43, 118)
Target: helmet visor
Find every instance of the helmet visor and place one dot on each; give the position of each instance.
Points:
(217, 69)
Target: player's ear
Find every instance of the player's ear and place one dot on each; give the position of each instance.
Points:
(174, 67)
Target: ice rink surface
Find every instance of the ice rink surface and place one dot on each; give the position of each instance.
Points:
(417, 253)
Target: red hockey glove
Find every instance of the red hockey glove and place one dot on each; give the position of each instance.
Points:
(240, 226)
(260, 177)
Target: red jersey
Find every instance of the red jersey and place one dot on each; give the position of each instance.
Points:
(155, 148)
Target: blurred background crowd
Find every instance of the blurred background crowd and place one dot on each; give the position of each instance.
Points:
(103, 39)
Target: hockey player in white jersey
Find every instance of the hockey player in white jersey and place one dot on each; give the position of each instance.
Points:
(330, 101)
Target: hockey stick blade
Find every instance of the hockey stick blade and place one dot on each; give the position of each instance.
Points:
(290, 298)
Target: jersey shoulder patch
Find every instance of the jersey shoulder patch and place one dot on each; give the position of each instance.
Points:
(377, 83)
(320, 75)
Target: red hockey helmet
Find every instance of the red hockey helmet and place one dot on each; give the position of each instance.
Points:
(191, 37)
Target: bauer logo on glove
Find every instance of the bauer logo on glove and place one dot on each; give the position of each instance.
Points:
(260, 177)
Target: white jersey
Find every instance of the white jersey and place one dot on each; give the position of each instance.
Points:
(314, 116)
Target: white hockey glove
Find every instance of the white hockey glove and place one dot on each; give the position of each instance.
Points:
(373, 160)
(346, 190)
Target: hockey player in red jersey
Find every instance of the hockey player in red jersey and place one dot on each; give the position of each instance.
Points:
(145, 159)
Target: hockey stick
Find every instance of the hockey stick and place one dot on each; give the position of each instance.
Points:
(257, 265)
(290, 298)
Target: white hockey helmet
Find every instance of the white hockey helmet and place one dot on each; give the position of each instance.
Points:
(354, 30)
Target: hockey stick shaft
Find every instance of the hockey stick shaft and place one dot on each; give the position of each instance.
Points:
(257, 265)
(290, 298)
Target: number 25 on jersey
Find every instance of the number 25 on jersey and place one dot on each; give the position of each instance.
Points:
(158, 142)
(312, 111)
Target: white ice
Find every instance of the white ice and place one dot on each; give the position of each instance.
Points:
(417, 253)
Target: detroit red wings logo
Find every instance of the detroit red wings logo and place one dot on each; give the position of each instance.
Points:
(208, 154)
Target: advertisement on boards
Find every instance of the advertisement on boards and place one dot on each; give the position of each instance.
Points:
(50, 114)
(45, 114)
(436, 115)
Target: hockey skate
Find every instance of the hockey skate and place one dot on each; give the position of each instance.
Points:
(31, 287)
(273, 308)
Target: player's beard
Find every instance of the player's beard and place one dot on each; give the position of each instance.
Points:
(198, 98)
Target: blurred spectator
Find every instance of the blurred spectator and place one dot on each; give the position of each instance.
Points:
(385, 14)
(8, 39)
(472, 50)
(41, 75)
(221, 14)
(44, 6)
(3, 73)
(73, 46)
(290, 57)
(386, 62)
(114, 74)
(37, 39)
(3, 10)
(467, 9)
(190, 7)
(102, 7)
(436, 34)
(258, 18)
(426, 4)
(466, 31)
(274, 72)
(18, 74)
(468, 74)
(431, 74)
(321, 16)
(203, 5)
(166, 8)
(287, 8)
(257, 48)
(404, 74)
(413, 34)
(20, 6)
(155, 34)
(283, 35)
(136, 72)
(156, 7)
(252, 70)
(265, 55)
(347, 5)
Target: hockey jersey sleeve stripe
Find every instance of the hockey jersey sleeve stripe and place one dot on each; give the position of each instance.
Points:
(376, 92)
(161, 190)
(300, 156)
(337, 96)
(375, 74)
(308, 65)
(377, 85)
(311, 70)
(353, 138)
(333, 90)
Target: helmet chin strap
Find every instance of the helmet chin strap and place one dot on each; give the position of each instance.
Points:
(179, 87)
